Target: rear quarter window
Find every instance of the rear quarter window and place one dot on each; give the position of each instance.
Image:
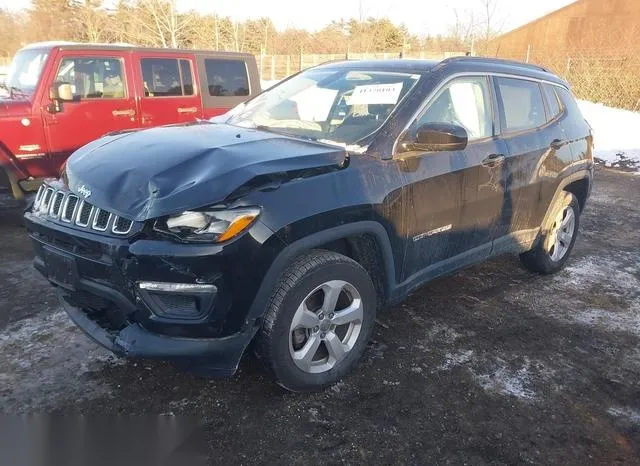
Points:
(521, 104)
(555, 109)
(568, 101)
(226, 78)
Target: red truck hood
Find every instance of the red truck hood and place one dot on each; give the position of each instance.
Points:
(14, 107)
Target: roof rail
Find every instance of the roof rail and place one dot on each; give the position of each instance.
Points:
(494, 61)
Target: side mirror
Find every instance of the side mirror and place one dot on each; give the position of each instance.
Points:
(59, 93)
(434, 137)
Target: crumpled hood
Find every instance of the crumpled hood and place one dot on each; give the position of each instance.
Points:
(162, 171)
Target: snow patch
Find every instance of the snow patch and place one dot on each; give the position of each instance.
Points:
(507, 381)
(629, 414)
(456, 359)
(48, 361)
(615, 134)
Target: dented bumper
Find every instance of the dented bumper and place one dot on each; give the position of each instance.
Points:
(148, 297)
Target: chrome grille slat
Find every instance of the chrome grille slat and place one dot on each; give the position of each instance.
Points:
(85, 211)
(56, 204)
(69, 208)
(36, 202)
(121, 226)
(101, 220)
(64, 206)
(46, 200)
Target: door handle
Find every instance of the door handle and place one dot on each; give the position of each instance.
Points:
(128, 112)
(493, 160)
(557, 144)
(187, 109)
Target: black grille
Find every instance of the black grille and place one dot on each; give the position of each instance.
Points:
(101, 220)
(57, 203)
(70, 208)
(46, 199)
(122, 226)
(84, 214)
(62, 205)
(172, 306)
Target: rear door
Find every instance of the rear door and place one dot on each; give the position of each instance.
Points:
(534, 153)
(168, 89)
(226, 81)
(104, 100)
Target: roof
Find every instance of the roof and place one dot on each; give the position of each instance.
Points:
(397, 64)
(121, 47)
(453, 64)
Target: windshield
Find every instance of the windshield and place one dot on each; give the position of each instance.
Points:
(342, 106)
(25, 70)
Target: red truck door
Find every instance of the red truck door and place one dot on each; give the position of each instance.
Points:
(104, 100)
(168, 88)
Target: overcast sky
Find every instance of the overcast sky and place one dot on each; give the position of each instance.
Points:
(420, 16)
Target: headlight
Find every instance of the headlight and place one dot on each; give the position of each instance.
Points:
(208, 226)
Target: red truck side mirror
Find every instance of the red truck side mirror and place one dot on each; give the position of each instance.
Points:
(59, 93)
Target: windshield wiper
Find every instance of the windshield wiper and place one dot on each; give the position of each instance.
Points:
(13, 90)
(271, 129)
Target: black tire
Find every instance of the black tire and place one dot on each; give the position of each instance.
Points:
(301, 278)
(539, 259)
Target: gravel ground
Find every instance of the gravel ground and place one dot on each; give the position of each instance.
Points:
(493, 365)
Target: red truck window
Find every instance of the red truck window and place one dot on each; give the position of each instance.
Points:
(166, 77)
(226, 77)
(93, 78)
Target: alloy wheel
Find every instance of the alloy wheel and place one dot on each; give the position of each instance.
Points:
(326, 326)
(561, 234)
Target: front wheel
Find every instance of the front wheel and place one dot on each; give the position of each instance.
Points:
(553, 250)
(318, 321)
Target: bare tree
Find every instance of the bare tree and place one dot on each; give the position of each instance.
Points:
(92, 21)
(158, 22)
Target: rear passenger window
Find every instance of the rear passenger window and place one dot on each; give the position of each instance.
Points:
(226, 77)
(552, 99)
(521, 106)
(166, 77)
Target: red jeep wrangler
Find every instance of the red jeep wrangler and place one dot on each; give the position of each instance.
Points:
(58, 97)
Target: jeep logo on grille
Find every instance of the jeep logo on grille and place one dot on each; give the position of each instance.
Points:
(84, 191)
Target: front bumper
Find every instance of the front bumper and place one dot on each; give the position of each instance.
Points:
(98, 277)
(215, 356)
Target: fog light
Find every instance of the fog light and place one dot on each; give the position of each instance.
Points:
(186, 302)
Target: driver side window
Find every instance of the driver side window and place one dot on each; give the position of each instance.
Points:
(465, 102)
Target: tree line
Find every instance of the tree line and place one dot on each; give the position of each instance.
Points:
(159, 23)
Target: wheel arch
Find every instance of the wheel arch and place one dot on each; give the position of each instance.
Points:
(578, 182)
(366, 242)
(10, 172)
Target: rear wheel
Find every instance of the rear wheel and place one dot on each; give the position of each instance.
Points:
(318, 321)
(7, 193)
(553, 250)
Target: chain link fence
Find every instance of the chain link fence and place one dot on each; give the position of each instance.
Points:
(280, 66)
(608, 77)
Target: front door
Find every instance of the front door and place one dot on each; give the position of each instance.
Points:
(169, 93)
(103, 101)
(445, 228)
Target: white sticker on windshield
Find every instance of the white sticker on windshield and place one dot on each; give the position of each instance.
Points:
(375, 94)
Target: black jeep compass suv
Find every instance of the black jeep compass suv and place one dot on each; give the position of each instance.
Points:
(297, 215)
